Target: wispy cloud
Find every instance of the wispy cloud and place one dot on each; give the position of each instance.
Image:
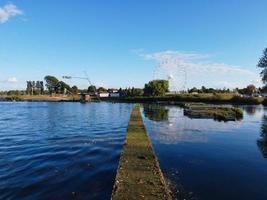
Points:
(12, 80)
(9, 10)
(184, 64)
(198, 62)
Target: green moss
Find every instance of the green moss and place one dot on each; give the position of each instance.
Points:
(139, 175)
(221, 113)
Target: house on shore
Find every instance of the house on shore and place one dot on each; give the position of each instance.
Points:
(110, 93)
(103, 94)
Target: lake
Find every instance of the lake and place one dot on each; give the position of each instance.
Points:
(210, 160)
(72, 150)
(60, 150)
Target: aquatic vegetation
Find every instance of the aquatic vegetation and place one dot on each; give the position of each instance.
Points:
(220, 113)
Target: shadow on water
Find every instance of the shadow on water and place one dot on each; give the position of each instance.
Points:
(156, 112)
(262, 142)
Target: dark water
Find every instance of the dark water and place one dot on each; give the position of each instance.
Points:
(212, 160)
(60, 150)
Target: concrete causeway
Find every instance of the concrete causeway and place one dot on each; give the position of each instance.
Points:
(139, 175)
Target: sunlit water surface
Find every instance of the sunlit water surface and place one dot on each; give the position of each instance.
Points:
(211, 160)
(71, 151)
(60, 150)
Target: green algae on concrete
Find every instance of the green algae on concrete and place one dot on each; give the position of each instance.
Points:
(139, 175)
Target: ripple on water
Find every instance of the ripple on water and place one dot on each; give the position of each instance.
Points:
(60, 150)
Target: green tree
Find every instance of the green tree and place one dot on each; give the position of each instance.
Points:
(194, 89)
(101, 89)
(62, 87)
(250, 89)
(42, 87)
(74, 89)
(156, 88)
(263, 64)
(91, 89)
(38, 87)
(51, 83)
(29, 89)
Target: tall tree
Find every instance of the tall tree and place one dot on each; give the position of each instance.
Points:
(62, 87)
(51, 83)
(29, 88)
(91, 89)
(263, 64)
(42, 87)
(38, 88)
(250, 89)
(74, 89)
(156, 88)
(102, 89)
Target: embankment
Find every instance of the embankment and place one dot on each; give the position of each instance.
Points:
(183, 98)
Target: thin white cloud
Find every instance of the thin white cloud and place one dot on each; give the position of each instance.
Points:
(182, 65)
(12, 80)
(9, 10)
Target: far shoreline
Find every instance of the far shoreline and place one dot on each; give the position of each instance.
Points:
(179, 99)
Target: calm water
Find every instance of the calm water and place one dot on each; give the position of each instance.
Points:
(60, 150)
(213, 160)
(71, 151)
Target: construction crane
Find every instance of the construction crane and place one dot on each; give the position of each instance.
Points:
(83, 78)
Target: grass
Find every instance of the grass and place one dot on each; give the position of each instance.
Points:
(139, 175)
(203, 97)
(48, 98)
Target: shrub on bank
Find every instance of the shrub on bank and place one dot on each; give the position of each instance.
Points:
(13, 98)
(205, 98)
(247, 100)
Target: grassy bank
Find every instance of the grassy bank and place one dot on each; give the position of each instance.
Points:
(139, 175)
(178, 99)
(181, 98)
(46, 98)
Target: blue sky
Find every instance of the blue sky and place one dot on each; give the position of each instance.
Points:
(124, 43)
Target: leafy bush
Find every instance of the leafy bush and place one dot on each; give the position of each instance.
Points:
(247, 100)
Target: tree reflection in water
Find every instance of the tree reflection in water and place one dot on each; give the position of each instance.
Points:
(250, 110)
(262, 142)
(156, 112)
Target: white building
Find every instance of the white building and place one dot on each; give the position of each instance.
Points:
(114, 94)
(103, 94)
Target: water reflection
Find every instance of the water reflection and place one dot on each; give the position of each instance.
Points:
(250, 110)
(178, 128)
(206, 155)
(262, 142)
(156, 112)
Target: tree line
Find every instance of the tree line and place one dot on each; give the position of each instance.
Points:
(152, 88)
(35, 87)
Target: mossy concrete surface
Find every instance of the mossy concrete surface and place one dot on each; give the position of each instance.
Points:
(139, 175)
